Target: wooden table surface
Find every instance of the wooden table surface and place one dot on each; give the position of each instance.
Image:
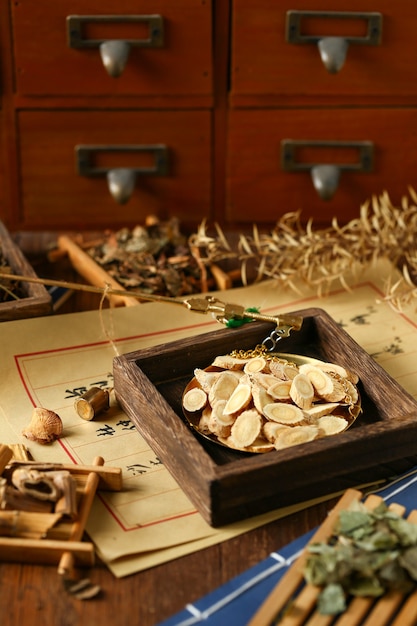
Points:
(33, 594)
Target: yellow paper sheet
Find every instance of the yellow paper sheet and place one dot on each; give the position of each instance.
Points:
(51, 361)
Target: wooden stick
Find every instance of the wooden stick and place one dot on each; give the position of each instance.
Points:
(92, 272)
(6, 454)
(66, 563)
(91, 288)
(292, 579)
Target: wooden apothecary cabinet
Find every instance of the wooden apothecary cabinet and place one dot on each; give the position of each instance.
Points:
(235, 93)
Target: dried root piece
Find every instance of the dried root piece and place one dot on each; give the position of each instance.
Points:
(264, 380)
(225, 419)
(302, 391)
(260, 445)
(332, 424)
(20, 452)
(26, 525)
(263, 402)
(272, 429)
(239, 399)
(45, 426)
(322, 382)
(280, 390)
(223, 387)
(318, 410)
(284, 413)
(246, 428)
(352, 394)
(339, 370)
(260, 397)
(194, 400)
(295, 436)
(82, 589)
(228, 362)
(283, 369)
(206, 379)
(37, 484)
(257, 364)
(6, 453)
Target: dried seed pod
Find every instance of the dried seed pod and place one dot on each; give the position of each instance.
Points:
(45, 426)
(91, 403)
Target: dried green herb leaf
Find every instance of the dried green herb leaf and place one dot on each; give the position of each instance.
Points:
(355, 524)
(368, 553)
(366, 586)
(331, 600)
(408, 559)
(405, 531)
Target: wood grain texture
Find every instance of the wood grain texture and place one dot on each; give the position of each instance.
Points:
(256, 177)
(264, 63)
(53, 193)
(227, 486)
(47, 66)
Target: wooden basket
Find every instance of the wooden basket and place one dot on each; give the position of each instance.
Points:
(225, 485)
(37, 301)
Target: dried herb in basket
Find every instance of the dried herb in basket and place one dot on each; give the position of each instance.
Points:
(154, 258)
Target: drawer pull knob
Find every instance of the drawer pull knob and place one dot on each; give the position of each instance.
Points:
(121, 181)
(325, 180)
(326, 176)
(333, 50)
(114, 55)
(114, 52)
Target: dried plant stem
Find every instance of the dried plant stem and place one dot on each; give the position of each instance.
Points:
(293, 254)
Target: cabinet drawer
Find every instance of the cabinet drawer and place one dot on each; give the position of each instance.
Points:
(259, 190)
(179, 65)
(54, 195)
(264, 63)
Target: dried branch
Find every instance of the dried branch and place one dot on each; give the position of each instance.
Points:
(292, 253)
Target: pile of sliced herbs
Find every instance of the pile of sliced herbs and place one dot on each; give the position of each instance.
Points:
(368, 554)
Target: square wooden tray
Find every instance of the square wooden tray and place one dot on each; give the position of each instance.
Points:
(36, 300)
(226, 485)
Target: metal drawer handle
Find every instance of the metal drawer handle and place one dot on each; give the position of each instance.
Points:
(115, 52)
(121, 180)
(325, 176)
(333, 50)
